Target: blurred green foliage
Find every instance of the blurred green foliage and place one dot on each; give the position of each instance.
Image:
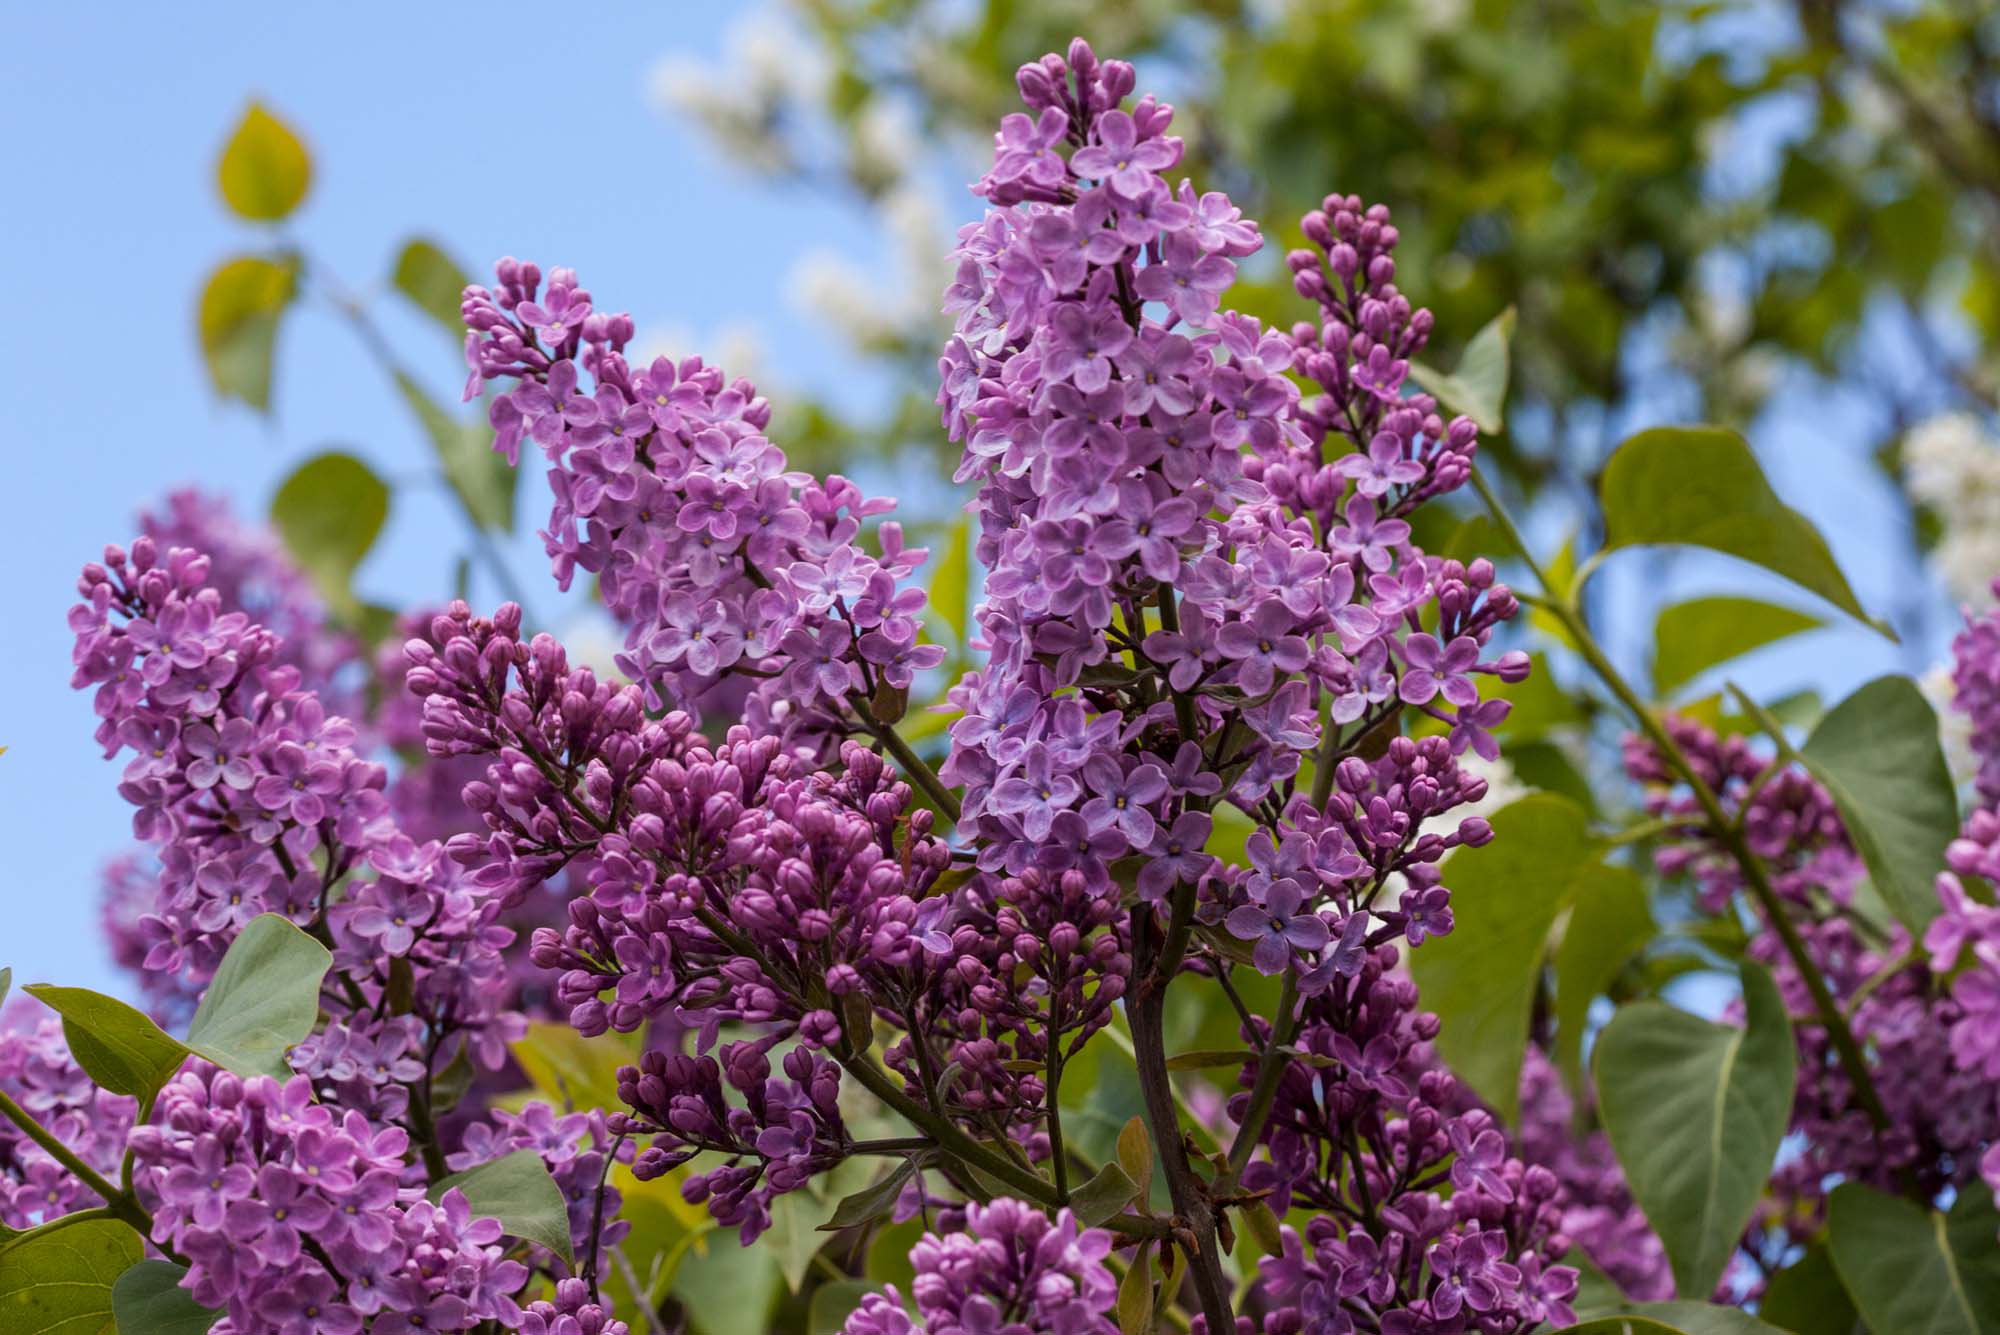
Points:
(1749, 183)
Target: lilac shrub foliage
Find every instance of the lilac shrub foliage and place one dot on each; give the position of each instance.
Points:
(1205, 610)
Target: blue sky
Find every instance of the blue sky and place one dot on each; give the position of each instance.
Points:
(505, 129)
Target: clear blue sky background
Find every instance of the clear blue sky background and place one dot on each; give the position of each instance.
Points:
(508, 129)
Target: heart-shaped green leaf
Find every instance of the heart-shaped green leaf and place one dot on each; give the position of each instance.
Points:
(329, 512)
(57, 1279)
(1916, 1271)
(149, 1300)
(1691, 637)
(1878, 754)
(1609, 922)
(241, 305)
(264, 998)
(517, 1190)
(1097, 1200)
(434, 281)
(1696, 1112)
(1478, 388)
(1702, 487)
(119, 1048)
(265, 170)
(1481, 979)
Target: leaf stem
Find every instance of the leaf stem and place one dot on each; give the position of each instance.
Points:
(121, 1204)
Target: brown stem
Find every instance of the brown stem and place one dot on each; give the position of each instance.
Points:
(1194, 1212)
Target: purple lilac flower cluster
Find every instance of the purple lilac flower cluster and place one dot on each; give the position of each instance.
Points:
(1967, 933)
(250, 572)
(1941, 1108)
(256, 801)
(1011, 1268)
(720, 563)
(38, 1073)
(1187, 596)
(296, 1221)
(1203, 589)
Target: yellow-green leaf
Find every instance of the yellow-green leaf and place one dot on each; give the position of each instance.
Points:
(433, 280)
(265, 170)
(238, 322)
(57, 1280)
(1696, 1111)
(1691, 637)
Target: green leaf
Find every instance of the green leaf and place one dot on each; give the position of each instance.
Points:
(727, 1288)
(1691, 637)
(1807, 1297)
(571, 1071)
(1685, 1318)
(6, 982)
(1696, 1111)
(149, 1300)
(1619, 1325)
(1914, 1271)
(433, 280)
(57, 1280)
(1877, 752)
(238, 322)
(1135, 1155)
(796, 1235)
(265, 170)
(1097, 1200)
(1481, 979)
(1702, 487)
(119, 1048)
(1135, 1293)
(329, 512)
(1261, 1223)
(483, 480)
(833, 1302)
(1478, 388)
(871, 1202)
(1203, 1059)
(517, 1190)
(1608, 925)
(950, 593)
(264, 998)
(1701, 1318)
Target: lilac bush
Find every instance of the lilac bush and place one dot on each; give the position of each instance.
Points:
(1219, 743)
